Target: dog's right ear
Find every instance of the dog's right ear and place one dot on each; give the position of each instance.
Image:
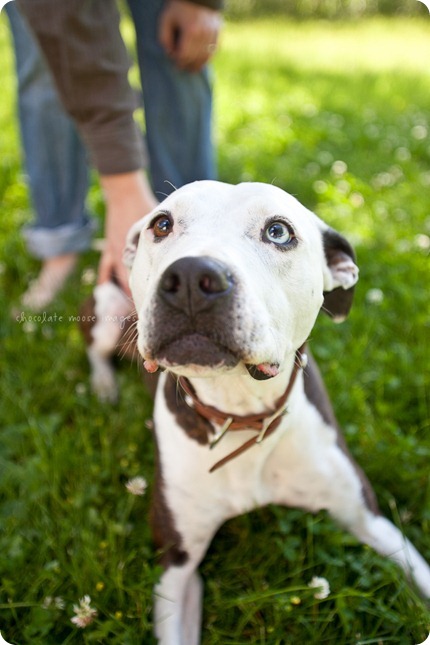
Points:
(341, 277)
(131, 243)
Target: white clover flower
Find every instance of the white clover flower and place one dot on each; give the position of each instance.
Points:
(59, 602)
(56, 602)
(403, 154)
(322, 585)
(419, 132)
(356, 199)
(29, 327)
(422, 241)
(85, 614)
(80, 389)
(137, 485)
(375, 296)
(320, 186)
(88, 276)
(339, 168)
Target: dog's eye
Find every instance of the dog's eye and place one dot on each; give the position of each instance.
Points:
(161, 225)
(279, 232)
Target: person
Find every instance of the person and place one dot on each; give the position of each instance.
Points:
(82, 44)
(57, 171)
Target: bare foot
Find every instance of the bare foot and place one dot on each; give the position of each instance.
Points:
(50, 281)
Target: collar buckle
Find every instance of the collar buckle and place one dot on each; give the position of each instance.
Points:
(224, 428)
(268, 422)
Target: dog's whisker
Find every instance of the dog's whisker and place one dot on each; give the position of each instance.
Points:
(129, 340)
(129, 333)
(136, 356)
(139, 362)
(165, 195)
(169, 183)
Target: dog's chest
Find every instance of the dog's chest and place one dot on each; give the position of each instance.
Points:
(293, 466)
(186, 458)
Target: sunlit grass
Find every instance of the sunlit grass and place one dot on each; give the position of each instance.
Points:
(375, 45)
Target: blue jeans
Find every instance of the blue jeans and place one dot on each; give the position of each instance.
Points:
(178, 131)
(55, 159)
(178, 108)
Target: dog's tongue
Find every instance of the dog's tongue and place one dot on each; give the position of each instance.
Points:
(150, 366)
(263, 371)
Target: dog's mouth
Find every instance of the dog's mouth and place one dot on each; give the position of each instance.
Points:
(196, 349)
(199, 350)
(262, 371)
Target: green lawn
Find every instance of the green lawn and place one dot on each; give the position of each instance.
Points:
(337, 114)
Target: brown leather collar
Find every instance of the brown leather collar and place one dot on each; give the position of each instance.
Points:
(264, 423)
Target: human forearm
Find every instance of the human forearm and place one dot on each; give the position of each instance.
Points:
(128, 198)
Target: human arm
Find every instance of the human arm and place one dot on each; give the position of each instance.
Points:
(128, 198)
(82, 44)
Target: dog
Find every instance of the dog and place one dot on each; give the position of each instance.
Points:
(227, 283)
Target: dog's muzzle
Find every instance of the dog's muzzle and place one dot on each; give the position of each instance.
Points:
(193, 318)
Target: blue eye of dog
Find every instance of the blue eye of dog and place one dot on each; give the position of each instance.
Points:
(161, 225)
(279, 233)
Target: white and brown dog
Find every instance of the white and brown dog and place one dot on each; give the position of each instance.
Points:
(227, 282)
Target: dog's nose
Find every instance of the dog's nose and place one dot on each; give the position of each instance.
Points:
(193, 284)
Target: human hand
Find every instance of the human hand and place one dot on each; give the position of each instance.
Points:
(189, 33)
(128, 198)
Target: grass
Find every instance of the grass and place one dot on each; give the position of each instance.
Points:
(338, 115)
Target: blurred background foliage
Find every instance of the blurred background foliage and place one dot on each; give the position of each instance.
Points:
(323, 8)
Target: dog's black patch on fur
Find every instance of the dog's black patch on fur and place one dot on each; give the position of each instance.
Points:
(195, 426)
(338, 302)
(166, 538)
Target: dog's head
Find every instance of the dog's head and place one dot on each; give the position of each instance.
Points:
(233, 277)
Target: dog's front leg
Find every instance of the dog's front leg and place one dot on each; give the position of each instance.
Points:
(178, 606)
(316, 473)
(356, 510)
(387, 539)
(350, 507)
(181, 536)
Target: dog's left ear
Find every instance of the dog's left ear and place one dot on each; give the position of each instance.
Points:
(132, 240)
(341, 276)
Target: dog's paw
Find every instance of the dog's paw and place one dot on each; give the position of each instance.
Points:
(103, 381)
(105, 388)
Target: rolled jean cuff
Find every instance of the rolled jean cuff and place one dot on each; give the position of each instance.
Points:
(46, 242)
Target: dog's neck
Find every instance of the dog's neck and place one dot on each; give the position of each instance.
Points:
(240, 394)
(263, 422)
